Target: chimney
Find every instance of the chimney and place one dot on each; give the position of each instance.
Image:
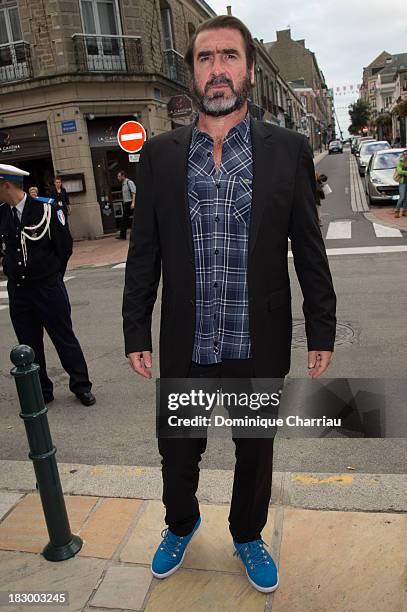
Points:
(283, 35)
(229, 9)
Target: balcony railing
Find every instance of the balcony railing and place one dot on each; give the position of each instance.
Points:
(15, 62)
(174, 67)
(108, 53)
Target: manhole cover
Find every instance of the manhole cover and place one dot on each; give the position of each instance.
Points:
(345, 334)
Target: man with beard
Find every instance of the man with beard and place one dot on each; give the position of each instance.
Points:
(217, 202)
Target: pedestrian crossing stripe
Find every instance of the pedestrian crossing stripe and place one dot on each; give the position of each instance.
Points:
(339, 230)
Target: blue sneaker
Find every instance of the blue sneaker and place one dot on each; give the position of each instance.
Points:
(260, 567)
(171, 552)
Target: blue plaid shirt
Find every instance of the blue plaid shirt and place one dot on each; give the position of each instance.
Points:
(219, 204)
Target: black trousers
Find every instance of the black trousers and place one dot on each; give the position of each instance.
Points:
(46, 306)
(253, 470)
(125, 220)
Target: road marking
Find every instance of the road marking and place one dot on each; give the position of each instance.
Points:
(357, 192)
(383, 231)
(339, 230)
(134, 136)
(3, 307)
(370, 250)
(67, 278)
(3, 295)
(120, 265)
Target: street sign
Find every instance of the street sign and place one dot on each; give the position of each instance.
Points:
(68, 126)
(134, 157)
(131, 136)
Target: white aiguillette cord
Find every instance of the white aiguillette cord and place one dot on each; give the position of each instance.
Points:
(45, 219)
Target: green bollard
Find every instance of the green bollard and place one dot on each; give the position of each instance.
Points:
(63, 544)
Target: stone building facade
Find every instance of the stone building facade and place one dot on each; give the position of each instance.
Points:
(72, 71)
(299, 66)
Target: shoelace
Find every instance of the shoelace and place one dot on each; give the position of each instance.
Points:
(170, 543)
(254, 553)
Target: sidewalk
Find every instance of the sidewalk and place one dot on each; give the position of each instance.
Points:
(102, 252)
(328, 560)
(385, 215)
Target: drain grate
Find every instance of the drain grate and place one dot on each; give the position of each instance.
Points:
(345, 334)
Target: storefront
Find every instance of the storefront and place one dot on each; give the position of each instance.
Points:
(108, 158)
(28, 147)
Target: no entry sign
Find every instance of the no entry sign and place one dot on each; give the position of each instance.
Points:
(131, 136)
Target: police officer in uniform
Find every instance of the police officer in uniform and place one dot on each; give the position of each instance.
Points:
(36, 245)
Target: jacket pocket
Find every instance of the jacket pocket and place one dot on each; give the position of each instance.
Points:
(282, 297)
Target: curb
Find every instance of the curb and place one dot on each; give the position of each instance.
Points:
(359, 492)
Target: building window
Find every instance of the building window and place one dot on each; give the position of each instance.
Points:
(168, 39)
(101, 23)
(13, 50)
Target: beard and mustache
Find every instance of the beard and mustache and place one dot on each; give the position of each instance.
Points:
(222, 102)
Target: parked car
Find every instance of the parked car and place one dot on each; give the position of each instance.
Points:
(380, 185)
(357, 141)
(335, 146)
(366, 151)
(353, 144)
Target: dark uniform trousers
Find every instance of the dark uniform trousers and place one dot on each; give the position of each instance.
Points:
(253, 470)
(125, 220)
(45, 305)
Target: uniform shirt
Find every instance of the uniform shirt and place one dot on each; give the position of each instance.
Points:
(220, 204)
(46, 257)
(128, 188)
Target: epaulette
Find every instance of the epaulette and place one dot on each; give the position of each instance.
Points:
(45, 200)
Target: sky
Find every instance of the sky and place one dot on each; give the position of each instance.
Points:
(345, 35)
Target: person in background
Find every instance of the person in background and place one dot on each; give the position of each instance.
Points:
(401, 167)
(59, 194)
(320, 180)
(36, 245)
(129, 202)
(33, 191)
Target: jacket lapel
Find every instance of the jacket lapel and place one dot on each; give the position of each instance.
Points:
(182, 138)
(264, 165)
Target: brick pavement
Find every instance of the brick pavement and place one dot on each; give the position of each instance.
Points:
(332, 561)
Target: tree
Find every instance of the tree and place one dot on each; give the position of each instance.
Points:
(359, 113)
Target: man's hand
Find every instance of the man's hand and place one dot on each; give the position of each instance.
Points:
(318, 362)
(141, 363)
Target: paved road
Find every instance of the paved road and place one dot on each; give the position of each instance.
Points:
(372, 295)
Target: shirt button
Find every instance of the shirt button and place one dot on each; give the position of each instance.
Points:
(215, 284)
(216, 251)
(23, 277)
(216, 219)
(217, 185)
(18, 250)
(18, 284)
(19, 263)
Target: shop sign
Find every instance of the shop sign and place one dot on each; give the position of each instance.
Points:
(179, 106)
(26, 141)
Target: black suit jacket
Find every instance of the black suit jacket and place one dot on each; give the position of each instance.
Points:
(46, 257)
(283, 206)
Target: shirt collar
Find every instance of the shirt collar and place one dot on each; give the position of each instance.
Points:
(242, 128)
(21, 204)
